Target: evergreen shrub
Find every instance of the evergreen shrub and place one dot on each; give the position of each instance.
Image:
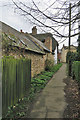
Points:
(76, 70)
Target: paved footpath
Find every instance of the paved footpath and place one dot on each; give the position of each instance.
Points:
(51, 102)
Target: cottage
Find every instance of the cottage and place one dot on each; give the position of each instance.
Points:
(49, 41)
(20, 44)
(65, 50)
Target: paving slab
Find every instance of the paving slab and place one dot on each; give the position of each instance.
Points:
(51, 102)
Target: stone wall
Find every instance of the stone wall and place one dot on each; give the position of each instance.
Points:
(37, 63)
(63, 55)
(37, 60)
(48, 43)
(50, 56)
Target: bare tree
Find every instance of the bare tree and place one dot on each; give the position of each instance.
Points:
(53, 17)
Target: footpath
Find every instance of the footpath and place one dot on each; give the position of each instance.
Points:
(51, 102)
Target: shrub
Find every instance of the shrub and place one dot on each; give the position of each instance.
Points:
(56, 67)
(76, 70)
(70, 58)
(48, 64)
(41, 80)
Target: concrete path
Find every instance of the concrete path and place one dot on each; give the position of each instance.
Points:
(51, 102)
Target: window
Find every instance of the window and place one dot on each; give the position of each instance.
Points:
(43, 40)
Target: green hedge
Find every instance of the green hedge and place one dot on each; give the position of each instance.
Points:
(76, 70)
(16, 77)
(70, 58)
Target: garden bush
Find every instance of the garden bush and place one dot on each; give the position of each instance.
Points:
(56, 67)
(76, 70)
(41, 80)
(70, 58)
(48, 65)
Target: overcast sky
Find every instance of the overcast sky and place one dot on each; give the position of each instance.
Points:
(10, 17)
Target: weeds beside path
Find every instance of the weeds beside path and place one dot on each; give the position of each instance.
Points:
(51, 101)
(72, 98)
(23, 107)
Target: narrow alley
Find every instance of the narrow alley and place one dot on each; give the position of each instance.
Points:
(51, 102)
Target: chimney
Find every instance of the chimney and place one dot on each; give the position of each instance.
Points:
(21, 31)
(48, 43)
(34, 30)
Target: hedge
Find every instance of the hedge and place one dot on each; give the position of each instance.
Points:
(70, 58)
(76, 70)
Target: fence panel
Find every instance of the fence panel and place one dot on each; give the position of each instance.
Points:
(16, 79)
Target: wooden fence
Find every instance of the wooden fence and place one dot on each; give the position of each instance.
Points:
(16, 78)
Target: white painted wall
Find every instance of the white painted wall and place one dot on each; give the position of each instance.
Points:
(55, 56)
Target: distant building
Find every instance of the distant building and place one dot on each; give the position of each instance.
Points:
(49, 41)
(59, 55)
(65, 50)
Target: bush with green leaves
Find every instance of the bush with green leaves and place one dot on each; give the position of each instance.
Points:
(70, 58)
(76, 70)
(41, 80)
(56, 67)
(48, 65)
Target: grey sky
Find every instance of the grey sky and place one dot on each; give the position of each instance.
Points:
(10, 17)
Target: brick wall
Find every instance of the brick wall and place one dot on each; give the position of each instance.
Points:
(48, 43)
(37, 63)
(37, 60)
(49, 56)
